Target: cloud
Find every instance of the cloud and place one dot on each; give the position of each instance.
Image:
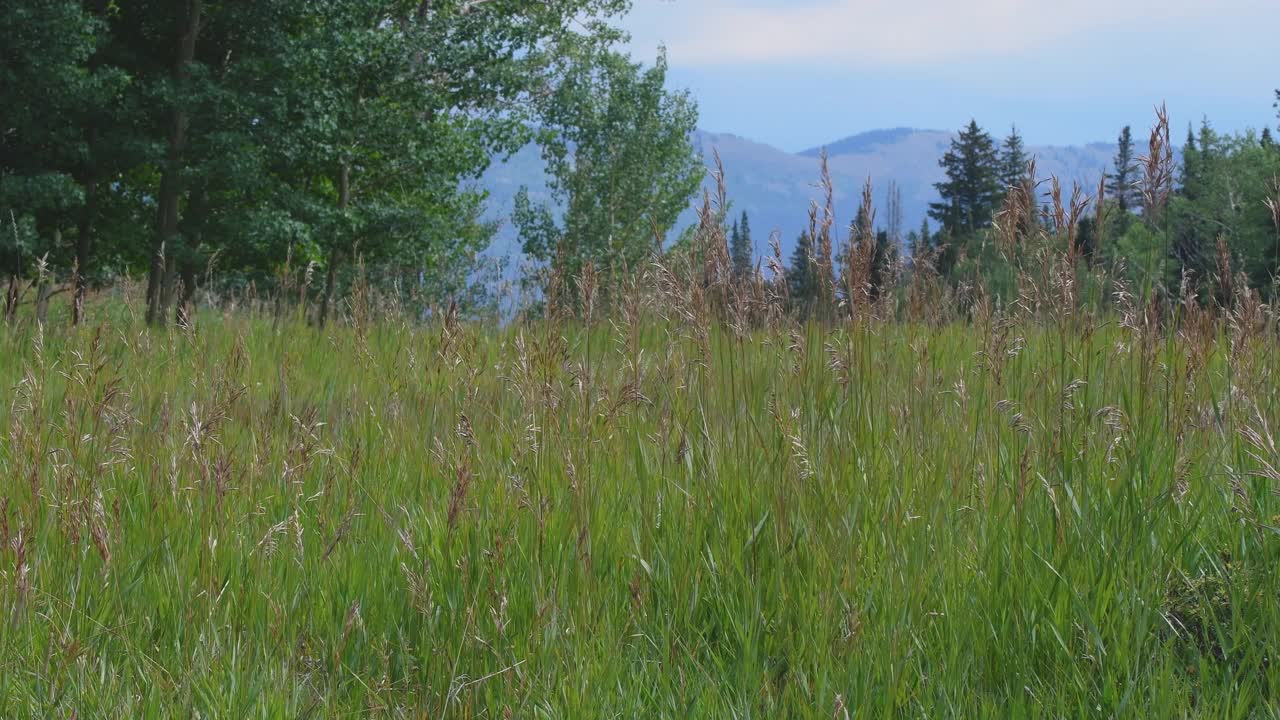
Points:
(896, 32)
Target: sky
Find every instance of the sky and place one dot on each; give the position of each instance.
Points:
(801, 73)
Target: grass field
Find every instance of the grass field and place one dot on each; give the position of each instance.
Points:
(646, 517)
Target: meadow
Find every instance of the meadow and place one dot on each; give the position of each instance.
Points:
(650, 512)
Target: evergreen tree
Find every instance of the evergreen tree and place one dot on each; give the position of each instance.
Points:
(741, 249)
(1013, 160)
(1087, 239)
(972, 188)
(802, 276)
(1190, 176)
(913, 244)
(1267, 141)
(1197, 218)
(920, 242)
(1122, 181)
(1209, 143)
(732, 241)
(882, 264)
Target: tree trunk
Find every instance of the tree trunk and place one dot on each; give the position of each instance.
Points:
(331, 276)
(160, 280)
(187, 303)
(44, 292)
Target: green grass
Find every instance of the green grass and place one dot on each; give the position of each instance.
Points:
(252, 521)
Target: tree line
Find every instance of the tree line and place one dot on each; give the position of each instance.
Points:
(1218, 222)
(300, 146)
(279, 144)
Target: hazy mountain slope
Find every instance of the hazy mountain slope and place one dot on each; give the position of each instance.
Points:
(775, 188)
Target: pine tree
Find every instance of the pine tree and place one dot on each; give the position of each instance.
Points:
(1013, 160)
(1267, 141)
(741, 249)
(1121, 182)
(1191, 175)
(923, 242)
(802, 276)
(972, 188)
(731, 242)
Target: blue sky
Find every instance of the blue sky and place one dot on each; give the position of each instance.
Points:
(800, 73)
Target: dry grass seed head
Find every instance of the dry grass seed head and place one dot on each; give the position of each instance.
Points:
(1157, 168)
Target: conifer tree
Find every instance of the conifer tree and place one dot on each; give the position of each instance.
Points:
(920, 241)
(741, 249)
(971, 191)
(1121, 181)
(802, 275)
(1191, 175)
(1013, 160)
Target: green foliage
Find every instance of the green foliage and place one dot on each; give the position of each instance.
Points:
(921, 241)
(59, 103)
(972, 188)
(1218, 229)
(983, 266)
(742, 249)
(269, 137)
(1013, 160)
(1122, 181)
(802, 276)
(621, 163)
(1230, 182)
(1138, 257)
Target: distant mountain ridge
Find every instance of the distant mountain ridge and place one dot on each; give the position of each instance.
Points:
(865, 142)
(776, 187)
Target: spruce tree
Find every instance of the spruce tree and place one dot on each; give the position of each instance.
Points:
(1121, 182)
(802, 276)
(921, 241)
(1267, 141)
(972, 188)
(741, 249)
(731, 242)
(1191, 175)
(886, 256)
(1013, 160)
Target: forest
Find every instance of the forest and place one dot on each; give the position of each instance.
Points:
(271, 146)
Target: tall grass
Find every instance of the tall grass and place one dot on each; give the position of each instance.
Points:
(641, 513)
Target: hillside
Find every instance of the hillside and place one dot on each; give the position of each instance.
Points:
(775, 187)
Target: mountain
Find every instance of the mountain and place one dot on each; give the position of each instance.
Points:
(776, 188)
(864, 143)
